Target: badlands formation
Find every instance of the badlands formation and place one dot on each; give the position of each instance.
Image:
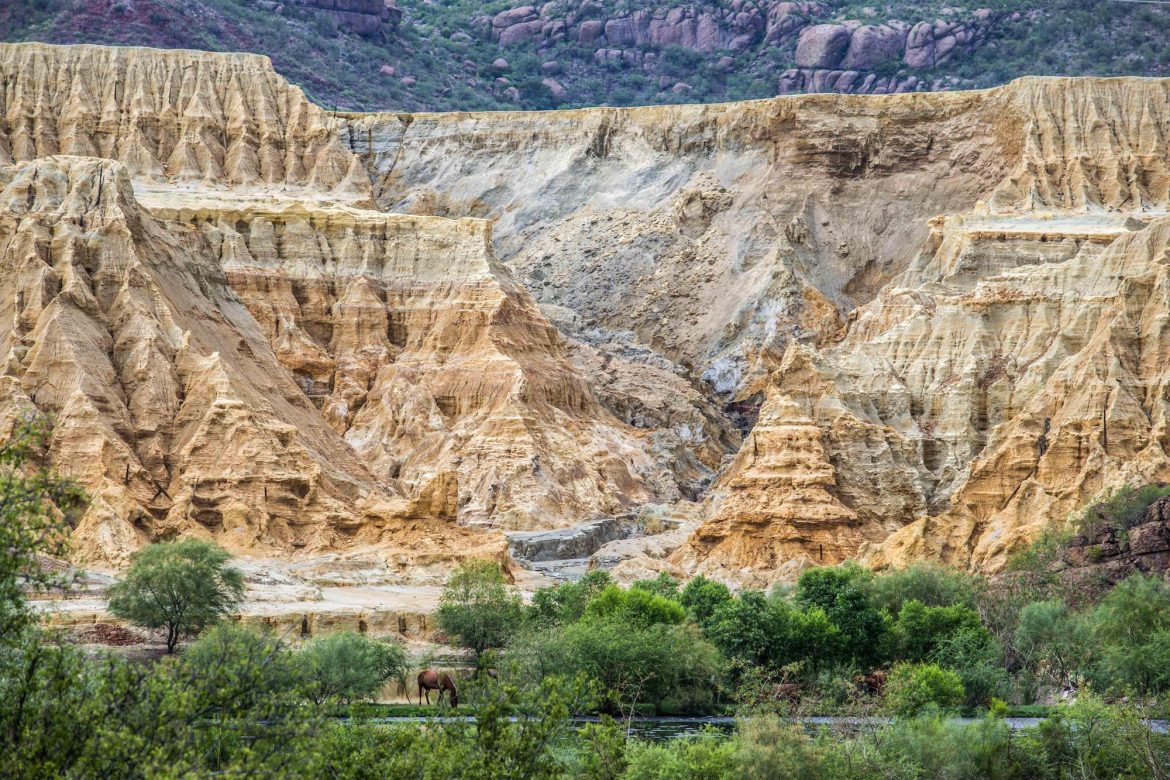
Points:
(809, 328)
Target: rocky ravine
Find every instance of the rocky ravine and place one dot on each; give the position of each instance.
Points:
(888, 327)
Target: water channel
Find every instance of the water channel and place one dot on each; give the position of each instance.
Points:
(667, 727)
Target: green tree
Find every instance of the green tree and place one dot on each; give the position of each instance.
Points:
(349, 667)
(37, 509)
(913, 688)
(181, 586)
(478, 607)
(1052, 641)
(702, 597)
(978, 658)
(663, 585)
(920, 630)
(635, 663)
(565, 603)
(843, 593)
(270, 668)
(750, 628)
(635, 607)
(1132, 624)
(930, 584)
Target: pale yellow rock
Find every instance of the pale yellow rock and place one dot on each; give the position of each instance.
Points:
(947, 311)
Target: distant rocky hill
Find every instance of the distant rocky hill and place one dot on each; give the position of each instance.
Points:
(505, 54)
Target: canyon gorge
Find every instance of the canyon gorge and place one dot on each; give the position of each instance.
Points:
(782, 332)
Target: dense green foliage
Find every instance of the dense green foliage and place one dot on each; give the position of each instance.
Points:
(479, 608)
(36, 509)
(350, 667)
(181, 586)
(914, 688)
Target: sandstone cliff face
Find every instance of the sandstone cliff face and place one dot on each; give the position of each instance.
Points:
(1017, 368)
(942, 313)
(938, 411)
(716, 234)
(253, 356)
(171, 116)
(168, 405)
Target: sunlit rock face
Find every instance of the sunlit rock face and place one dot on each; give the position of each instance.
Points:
(886, 327)
(923, 279)
(258, 357)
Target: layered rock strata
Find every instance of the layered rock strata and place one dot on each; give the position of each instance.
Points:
(925, 385)
(395, 380)
(909, 447)
(167, 404)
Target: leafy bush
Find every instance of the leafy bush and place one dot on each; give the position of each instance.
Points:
(1052, 641)
(181, 586)
(920, 630)
(1121, 510)
(930, 584)
(1132, 624)
(663, 585)
(634, 662)
(701, 597)
(706, 757)
(914, 688)
(270, 668)
(843, 593)
(634, 607)
(978, 658)
(565, 603)
(349, 667)
(1091, 739)
(478, 607)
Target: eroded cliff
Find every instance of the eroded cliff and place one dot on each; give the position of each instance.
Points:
(240, 349)
(889, 327)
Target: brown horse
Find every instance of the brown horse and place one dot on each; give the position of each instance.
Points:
(432, 680)
(873, 683)
(786, 692)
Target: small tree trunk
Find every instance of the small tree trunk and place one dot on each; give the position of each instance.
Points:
(172, 639)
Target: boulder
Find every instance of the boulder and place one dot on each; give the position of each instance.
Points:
(500, 64)
(590, 31)
(520, 33)
(784, 20)
(822, 46)
(870, 46)
(928, 45)
(708, 36)
(620, 32)
(408, 81)
(554, 86)
(505, 19)
(387, 70)
(552, 67)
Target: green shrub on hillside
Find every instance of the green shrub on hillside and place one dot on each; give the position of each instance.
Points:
(348, 667)
(915, 688)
